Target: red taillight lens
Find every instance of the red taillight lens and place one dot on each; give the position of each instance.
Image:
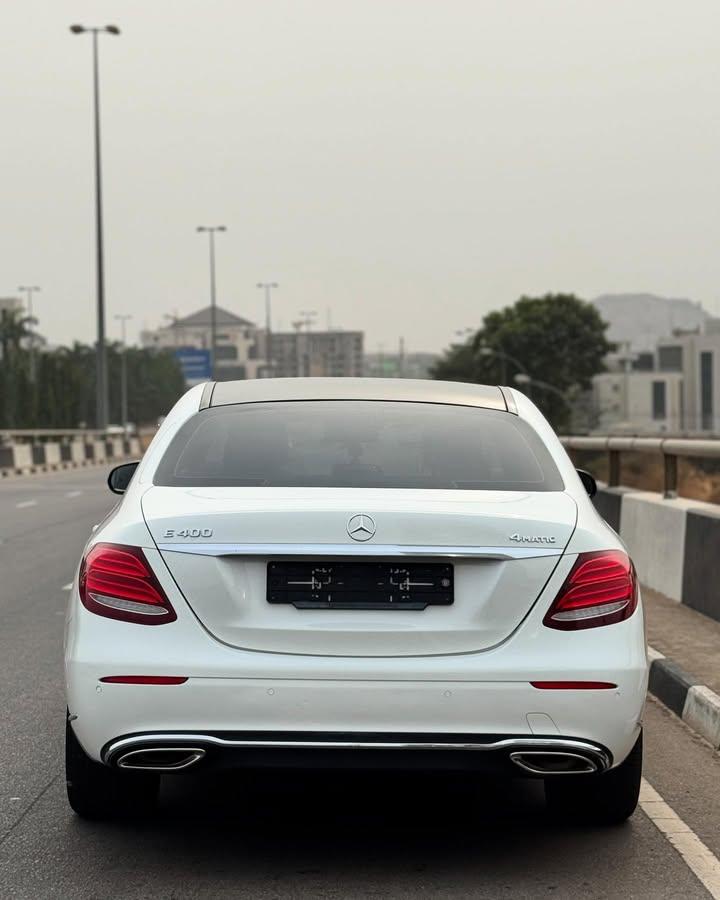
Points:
(116, 581)
(601, 589)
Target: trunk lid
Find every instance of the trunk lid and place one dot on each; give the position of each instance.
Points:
(218, 543)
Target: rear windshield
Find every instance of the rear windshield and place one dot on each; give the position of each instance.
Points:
(358, 444)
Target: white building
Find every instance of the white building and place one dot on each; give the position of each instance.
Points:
(696, 356)
(238, 341)
(338, 354)
(638, 401)
(674, 389)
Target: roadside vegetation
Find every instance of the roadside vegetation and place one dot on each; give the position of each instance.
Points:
(556, 341)
(62, 392)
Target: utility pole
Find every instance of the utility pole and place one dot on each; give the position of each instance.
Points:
(123, 319)
(307, 318)
(101, 405)
(210, 231)
(29, 291)
(268, 287)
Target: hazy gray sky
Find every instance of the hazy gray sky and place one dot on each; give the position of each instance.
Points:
(409, 164)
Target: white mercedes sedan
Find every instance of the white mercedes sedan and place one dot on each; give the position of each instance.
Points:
(356, 573)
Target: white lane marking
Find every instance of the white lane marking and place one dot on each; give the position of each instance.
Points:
(71, 494)
(25, 504)
(698, 857)
(68, 586)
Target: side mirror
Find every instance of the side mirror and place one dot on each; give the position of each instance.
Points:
(588, 481)
(119, 477)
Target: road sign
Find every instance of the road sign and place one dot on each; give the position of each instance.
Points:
(195, 364)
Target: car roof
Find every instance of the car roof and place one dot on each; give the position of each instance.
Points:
(224, 393)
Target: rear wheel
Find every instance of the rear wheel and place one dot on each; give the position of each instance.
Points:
(96, 791)
(606, 799)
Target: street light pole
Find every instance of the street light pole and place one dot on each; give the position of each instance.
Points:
(101, 406)
(525, 379)
(29, 291)
(268, 286)
(123, 319)
(210, 230)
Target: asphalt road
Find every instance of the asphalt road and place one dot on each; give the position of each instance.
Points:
(327, 836)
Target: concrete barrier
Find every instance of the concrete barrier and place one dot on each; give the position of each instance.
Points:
(23, 458)
(674, 543)
(77, 452)
(654, 530)
(46, 451)
(52, 454)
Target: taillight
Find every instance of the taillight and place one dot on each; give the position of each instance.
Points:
(116, 581)
(601, 589)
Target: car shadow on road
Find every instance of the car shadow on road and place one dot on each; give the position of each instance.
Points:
(320, 829)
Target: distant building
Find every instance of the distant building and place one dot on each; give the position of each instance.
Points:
(238, 341)
(635, 401)
(337, 354)
(641, 320)
(696, 358)
(675, 388)
(397, 365)
(10, 304)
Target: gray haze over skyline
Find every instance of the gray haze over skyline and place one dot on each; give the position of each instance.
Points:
(409, 164)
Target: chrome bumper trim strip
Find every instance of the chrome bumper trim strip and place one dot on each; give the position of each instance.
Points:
(325, 550)
(511, 744)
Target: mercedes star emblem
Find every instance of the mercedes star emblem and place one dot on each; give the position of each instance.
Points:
(361, 527)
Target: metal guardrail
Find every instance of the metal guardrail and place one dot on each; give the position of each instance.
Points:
(671, 450)
(61, 435)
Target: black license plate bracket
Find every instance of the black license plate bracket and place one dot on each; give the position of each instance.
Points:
(325, 584)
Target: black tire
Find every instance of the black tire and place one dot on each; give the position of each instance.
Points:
(96, 791)
(606, 799)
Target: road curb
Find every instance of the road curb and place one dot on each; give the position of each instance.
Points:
(693, 702)
(62, 466)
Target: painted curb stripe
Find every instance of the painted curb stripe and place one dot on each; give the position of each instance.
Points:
(694, 703)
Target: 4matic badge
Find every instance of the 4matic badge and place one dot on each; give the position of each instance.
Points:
(531, 538)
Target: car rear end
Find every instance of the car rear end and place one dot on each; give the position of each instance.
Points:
(364, 574)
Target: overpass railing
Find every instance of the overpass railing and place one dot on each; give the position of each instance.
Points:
(669, 449)
(41, 435)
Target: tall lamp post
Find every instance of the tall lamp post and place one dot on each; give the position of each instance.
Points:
(29, 291)
(268, 287)
(522, 378)
(210, 230)
(484, 350)
(123, 320)
(101, 406)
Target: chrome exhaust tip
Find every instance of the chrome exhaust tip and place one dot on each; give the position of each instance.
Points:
(554, 762)
(160, 759)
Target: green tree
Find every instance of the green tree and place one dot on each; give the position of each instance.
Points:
(14, 366)
(559, 339)
(63, 395)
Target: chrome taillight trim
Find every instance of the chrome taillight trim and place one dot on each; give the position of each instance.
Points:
(145, 609)
(589, 612)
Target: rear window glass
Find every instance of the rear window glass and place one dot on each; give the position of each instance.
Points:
(358, 444)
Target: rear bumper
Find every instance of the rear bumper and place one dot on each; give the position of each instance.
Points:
(607, 718)
(175, 751)
(229, 690)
